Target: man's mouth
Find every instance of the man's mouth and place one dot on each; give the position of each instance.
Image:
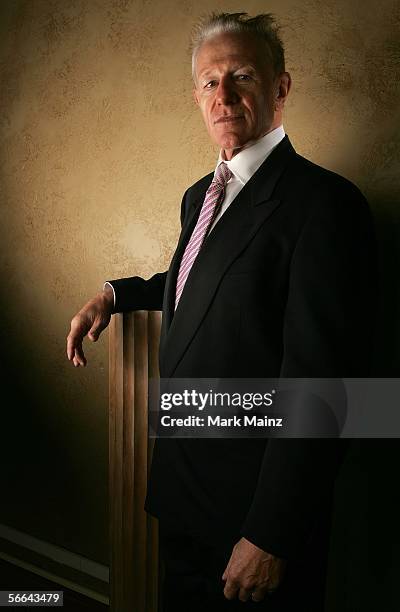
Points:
(228, 118)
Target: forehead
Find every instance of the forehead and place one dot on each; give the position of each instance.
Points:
(230, 49)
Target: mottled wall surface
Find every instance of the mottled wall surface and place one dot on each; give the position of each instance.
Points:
(99, 140)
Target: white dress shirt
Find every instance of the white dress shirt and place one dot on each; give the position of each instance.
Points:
(243, 165)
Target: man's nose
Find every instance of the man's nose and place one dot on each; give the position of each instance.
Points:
(226, 92)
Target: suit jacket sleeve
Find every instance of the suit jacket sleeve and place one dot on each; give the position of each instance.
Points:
(136, 293)
(327, 334)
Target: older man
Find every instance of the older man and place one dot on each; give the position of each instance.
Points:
(271, 278)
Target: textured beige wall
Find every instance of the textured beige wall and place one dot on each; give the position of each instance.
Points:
(99, 140)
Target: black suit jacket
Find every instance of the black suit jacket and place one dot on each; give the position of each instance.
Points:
(283, 286)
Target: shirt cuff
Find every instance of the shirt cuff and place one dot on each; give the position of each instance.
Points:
(107, 284)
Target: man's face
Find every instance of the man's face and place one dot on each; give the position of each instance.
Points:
(235, 89)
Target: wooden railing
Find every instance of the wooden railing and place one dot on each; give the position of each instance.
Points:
(134, 341)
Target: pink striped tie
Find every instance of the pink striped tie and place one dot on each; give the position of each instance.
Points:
(214, 196)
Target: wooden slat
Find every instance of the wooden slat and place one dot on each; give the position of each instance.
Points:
(153, 586)
(115, 462)
(127, 468)
(134, 339)
(140, 460)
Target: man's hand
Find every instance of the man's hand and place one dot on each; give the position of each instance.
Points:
(90, 320)
(251, 572)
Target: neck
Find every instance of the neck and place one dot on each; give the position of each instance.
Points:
(228, 154)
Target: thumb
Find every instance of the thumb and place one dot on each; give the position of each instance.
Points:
(226, 572)
(94, 333)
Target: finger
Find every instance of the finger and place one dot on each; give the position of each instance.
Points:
(260, 593)
(95, 332)
(226, 572)
(244, 594)
(74, 337)
(80, 355)
(71, 340)
(265, 589)
(231, 589)
(274, 579)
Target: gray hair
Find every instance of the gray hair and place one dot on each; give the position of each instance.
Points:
(262, 26)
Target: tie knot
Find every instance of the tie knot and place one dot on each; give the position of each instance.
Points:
(222, 175)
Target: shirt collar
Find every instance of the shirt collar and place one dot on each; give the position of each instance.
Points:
(245, 163)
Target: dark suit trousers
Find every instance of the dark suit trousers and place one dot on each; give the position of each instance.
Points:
(192, 571)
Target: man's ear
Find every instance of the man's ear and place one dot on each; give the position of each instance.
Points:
(195, 96)
(282, 92)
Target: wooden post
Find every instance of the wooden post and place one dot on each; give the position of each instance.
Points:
(134, 340)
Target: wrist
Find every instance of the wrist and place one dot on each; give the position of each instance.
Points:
(108, 298)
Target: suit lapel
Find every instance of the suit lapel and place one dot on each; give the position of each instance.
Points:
(236, 228)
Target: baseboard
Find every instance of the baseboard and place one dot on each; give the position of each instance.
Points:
(55, 563)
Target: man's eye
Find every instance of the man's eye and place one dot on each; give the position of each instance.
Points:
(242, 77)
(209, 85)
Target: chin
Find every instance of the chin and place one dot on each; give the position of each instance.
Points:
(231, 141)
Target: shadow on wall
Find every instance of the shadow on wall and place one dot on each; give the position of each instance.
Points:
(37, 475)
(387, 341)
(364, 561)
